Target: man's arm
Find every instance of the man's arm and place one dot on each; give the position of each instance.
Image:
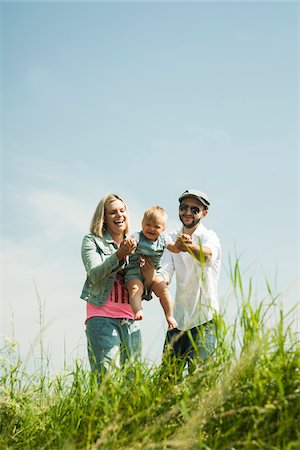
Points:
(166, 269)
(185, 244)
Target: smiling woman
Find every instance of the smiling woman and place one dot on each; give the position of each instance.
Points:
(112, 334)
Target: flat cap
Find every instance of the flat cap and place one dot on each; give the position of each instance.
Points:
(199, 195)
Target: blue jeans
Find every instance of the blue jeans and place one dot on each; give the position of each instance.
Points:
(191, 346)
(111, 342)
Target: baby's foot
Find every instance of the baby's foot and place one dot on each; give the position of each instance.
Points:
(171, 322)
(139, 315)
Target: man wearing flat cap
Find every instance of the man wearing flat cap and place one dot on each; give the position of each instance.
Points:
(197, 268)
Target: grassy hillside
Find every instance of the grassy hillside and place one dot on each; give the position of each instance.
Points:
(246, 397)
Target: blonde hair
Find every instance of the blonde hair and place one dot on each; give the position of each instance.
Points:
(156, 214)
(97, 225)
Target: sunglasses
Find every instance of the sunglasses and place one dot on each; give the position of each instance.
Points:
(185, 208)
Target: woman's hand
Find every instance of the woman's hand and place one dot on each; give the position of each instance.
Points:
(127, 247)
(148, 271)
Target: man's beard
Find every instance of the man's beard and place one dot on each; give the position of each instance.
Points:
(191, 225)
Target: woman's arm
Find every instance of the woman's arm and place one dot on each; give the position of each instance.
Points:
(100, 263)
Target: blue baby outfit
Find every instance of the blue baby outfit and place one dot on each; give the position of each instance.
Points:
(153, 250)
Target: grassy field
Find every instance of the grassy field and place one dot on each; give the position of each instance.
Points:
(246, 397)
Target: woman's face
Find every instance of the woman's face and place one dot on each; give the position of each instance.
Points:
(116, 217)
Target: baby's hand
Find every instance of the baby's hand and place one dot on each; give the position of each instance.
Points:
(127, 246)
(132, 242)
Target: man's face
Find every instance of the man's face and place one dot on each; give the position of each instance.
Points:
(191, 211)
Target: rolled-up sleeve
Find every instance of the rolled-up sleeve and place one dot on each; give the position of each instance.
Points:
(166, 269)
(213, 243)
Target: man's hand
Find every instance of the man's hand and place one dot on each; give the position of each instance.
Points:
(182, 241)
(185, 244)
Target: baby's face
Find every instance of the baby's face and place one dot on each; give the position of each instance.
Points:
(152, 229)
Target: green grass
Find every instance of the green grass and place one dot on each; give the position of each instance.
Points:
(246, 397)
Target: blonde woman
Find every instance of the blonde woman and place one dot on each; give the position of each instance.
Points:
(112, 334)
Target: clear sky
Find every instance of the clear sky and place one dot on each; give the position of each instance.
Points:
(144, 100)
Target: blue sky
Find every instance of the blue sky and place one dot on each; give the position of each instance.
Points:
(145, 100)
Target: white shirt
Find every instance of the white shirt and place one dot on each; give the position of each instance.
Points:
(196, 298)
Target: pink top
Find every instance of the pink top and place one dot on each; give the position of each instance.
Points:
(117, 305)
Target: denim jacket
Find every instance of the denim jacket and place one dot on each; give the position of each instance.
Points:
(101, 265)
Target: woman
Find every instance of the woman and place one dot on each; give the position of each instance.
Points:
(112, 334)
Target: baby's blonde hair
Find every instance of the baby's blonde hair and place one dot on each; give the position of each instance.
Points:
(156, 214)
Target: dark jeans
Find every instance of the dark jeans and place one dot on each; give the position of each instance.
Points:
(189, 347)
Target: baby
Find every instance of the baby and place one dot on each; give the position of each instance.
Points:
(151, 244)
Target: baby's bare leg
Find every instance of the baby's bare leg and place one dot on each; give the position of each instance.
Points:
(160, 289)
(135, 289)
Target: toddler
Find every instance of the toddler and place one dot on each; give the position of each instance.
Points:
(151, 244)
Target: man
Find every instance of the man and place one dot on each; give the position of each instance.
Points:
(197, 269)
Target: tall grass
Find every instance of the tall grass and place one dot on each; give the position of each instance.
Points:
(247, 396)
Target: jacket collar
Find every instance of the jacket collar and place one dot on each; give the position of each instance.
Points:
(104, 240)
(107, 237)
